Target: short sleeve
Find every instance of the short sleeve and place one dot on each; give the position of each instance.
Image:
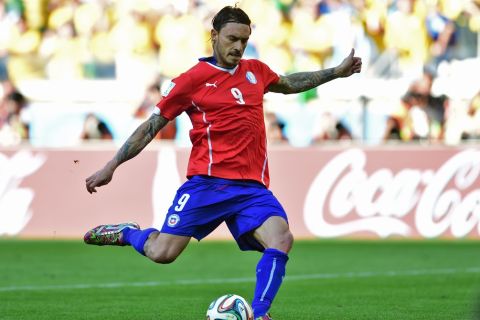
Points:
(269, 77)
(176, 98)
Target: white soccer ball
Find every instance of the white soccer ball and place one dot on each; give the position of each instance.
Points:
(229, 307)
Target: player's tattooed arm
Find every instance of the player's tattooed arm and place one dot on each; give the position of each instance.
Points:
(134, 144)
(139, 139)
(303, 81)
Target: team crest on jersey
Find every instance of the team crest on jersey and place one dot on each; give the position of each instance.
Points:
(173, 220)
(251, 77)
(168, 89)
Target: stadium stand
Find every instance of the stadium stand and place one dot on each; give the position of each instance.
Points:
(69, 58)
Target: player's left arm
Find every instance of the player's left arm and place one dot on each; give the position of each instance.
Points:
(303, 81)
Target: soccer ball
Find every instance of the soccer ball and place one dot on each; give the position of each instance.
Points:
(229, 307)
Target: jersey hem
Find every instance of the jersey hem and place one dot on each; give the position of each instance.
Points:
(226, 176)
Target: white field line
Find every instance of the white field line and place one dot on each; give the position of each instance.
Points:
(347, 275)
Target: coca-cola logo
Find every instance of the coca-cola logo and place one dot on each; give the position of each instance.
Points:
(343, 199)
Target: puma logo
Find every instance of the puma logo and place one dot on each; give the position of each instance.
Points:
(207, 84)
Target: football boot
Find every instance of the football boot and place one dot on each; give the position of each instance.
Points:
(108, 234)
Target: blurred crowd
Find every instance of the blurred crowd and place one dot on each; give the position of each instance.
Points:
(151, 41)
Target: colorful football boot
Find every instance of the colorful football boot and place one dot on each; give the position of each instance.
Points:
(108, 234)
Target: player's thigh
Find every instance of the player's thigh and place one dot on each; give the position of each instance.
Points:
(164, 247)
(274, 233)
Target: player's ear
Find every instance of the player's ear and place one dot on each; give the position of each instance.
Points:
(213, 35)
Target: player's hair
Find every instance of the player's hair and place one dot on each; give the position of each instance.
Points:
(230, 14)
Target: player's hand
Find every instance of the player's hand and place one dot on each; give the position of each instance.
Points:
(350, 65)
(99, 178)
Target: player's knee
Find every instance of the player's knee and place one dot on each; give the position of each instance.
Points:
(163, 257)
(283, 241)
(288, 241)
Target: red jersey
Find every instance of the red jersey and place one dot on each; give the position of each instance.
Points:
(226, 110)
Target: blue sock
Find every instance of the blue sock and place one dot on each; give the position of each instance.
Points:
(270, 273)
(137, 238)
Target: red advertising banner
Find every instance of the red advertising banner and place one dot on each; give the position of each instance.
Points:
(402, 191)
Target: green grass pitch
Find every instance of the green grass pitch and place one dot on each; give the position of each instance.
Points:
(326, 279)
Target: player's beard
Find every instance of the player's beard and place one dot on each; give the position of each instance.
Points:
(227, 58)
(235, 59)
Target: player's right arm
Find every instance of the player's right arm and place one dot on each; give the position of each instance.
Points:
(133, 146)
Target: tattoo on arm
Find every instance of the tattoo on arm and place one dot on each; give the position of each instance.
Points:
(303, 81)
(140, 138)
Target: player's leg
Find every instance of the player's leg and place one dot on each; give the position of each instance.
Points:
(261, 224)
(164, 247)
(159, 247)
(275, 236)
(275, 233)
(155, 245)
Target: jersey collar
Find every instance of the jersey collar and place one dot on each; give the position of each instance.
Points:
(213, 62)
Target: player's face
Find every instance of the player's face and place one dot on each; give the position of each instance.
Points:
(230, 43)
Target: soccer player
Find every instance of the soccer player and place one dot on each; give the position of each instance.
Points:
(228, 170)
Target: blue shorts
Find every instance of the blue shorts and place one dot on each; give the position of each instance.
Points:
(203, 203)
